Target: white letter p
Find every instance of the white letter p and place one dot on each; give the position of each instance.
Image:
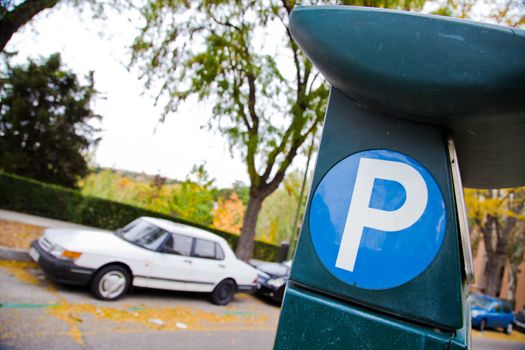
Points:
(360, 215)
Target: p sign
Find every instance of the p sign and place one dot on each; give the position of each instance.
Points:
(377, 219)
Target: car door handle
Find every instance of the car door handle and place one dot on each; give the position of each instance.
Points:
(222, 265)
(188, 261)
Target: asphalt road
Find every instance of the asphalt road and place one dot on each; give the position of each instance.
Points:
(492, 344)
(37, 314)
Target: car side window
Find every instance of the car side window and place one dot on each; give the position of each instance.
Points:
(178, 245)
(144, 234)
(219, 254)
(204, 249)
(506, 308)
(496, 308)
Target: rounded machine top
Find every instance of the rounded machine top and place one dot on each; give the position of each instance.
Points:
(464, 76)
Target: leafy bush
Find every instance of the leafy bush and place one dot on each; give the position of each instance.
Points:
(33, 197)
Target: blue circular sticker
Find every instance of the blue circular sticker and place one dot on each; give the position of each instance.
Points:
(377, 219)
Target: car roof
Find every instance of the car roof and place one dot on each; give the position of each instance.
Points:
(183, 229)
(489, 298)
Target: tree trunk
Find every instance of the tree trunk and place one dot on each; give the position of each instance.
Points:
(246, 241)
(516, 255)
(496, 241)
(19, 16)
(513, 279)
(494, 269)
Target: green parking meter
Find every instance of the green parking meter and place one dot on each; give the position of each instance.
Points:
(383, 260)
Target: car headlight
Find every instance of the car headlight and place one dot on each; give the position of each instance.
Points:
(474, 313)
(61, 253)
(277, 282)
(56, 251)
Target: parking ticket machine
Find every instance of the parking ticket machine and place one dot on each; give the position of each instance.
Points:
(419, 106)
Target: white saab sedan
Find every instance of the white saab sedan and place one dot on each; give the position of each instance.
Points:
(148, 252)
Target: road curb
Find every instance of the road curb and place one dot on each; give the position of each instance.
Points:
(14, 254)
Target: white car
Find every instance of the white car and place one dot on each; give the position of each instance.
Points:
(148, 252)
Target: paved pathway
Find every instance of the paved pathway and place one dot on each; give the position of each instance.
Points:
(38, 220)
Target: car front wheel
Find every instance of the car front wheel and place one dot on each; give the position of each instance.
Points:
(223, 293)
(110, 283)
(482, 325)
(508, 329)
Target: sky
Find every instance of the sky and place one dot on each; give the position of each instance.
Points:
(132, 137)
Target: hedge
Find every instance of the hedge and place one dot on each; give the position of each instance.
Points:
(38, 198)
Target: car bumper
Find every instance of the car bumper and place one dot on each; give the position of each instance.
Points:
(248, 288)
(270, 292)
(60, 270)
(520, 325)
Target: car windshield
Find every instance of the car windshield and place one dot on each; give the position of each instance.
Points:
(144, 234)
(476, 300)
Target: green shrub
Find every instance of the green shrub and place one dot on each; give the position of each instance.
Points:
(33, 197)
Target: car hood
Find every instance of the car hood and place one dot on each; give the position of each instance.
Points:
(477, 308)
(86, 241)
(274, 269)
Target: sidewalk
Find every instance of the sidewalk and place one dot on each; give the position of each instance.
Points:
(16, 237)
(40, 221)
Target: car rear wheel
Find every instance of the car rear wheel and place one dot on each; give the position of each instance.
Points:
(482, 325)
(110, 283)
(223, 293)
(508, 329)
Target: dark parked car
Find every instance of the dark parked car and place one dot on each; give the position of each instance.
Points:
(271, 280)
(489, 312)
(520, 320)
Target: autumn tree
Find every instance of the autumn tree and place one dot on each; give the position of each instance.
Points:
(498, 215)
(229, 214)
(266, 102)
(45, 121)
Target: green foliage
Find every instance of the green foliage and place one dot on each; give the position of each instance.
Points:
(509, 12)
(239, 188)
(267, 98)
(116, 186)
(195, 198)
(44, 122)
(52, 201)
(193, 202)
(443, 11)
(277, 214)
